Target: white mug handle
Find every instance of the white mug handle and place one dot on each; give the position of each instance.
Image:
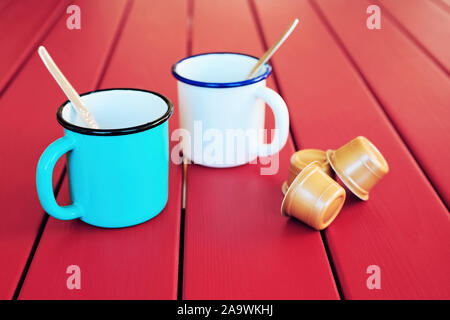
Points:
(280, 111)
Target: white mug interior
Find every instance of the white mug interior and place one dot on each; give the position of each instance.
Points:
(118, 108)
(218, 67)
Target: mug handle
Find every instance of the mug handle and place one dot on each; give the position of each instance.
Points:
(280, 111)
(44, 174)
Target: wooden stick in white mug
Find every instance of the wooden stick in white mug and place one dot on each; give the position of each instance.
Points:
(69, 91)
(269, 53)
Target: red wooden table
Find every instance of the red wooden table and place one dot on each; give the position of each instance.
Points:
(340, 80)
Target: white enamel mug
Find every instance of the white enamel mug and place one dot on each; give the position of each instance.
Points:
(222, 114)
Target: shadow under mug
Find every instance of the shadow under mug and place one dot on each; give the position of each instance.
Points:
(221, 114)
(118, 177)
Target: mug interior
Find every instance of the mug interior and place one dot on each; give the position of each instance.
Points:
(219, 68)
(119, 108)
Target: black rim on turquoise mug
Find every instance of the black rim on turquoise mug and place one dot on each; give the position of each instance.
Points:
(118, 175)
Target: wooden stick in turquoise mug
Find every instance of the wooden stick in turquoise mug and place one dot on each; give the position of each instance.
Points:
(118, 176)
(67, 88)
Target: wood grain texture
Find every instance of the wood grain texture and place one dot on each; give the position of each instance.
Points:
(237, 244)
(426, 24)
(404, 227)
(22, 24)
(4, 4)
(139, 262)
(30, 105)
(443, 4)
(413, 90)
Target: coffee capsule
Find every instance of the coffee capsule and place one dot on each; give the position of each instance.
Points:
(313, 197)
(359, 165)
(301, 159)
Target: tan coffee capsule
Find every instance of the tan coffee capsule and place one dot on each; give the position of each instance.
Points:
(359, 165)
(301, 159)
(313, 197)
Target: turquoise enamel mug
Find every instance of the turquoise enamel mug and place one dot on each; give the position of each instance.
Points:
(118, 175)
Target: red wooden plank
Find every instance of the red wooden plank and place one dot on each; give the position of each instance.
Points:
(427, 24)
(414, 92)
(140, 262)
(404, 227)
(28, 110)
(23, 23)
(444, 4)
(237, 244)
(4, 4)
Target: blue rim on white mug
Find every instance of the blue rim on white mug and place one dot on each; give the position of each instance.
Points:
(214, 93)
(260, 77)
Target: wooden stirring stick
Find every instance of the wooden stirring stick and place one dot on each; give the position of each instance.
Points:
(67, 88)
(269, 53)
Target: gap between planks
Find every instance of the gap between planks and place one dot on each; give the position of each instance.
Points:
(411, 37)
(37, 239)
(41, 230)
(442, 5)
(257, 20)
(189, 24)
(115, 41)
(353, 63)
(39, 37)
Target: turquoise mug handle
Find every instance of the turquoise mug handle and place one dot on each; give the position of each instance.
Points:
(44, 173)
